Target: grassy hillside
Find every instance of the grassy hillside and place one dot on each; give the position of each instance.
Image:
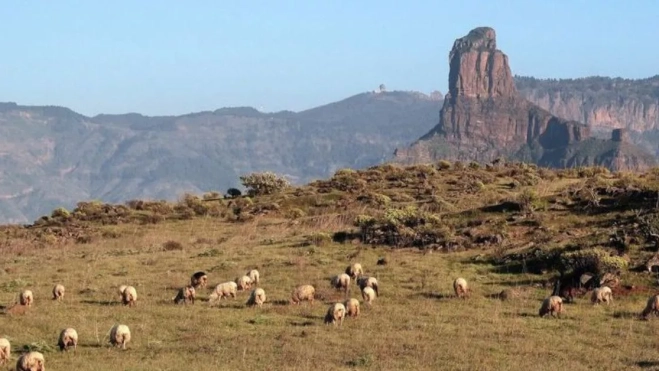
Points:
(500, 226)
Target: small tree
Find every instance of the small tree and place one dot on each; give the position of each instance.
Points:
(264, 183)
(234, 192)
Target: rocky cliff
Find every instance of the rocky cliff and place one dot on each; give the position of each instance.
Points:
(601, 102)
(484, 117)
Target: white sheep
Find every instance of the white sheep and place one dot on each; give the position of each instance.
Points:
(303, 292)
(119, 336)
(58, 292)
(652, 306)
(460, 287)
(352, 307)
(341, 281)
(355, 270)
(68, 337)
(31, 361)
(257, 297)
(335, 314)
(254, 276)
(552, 305)
(129, 296)
(185, 295)
(243, 283)
(368, 294)
(5, 351)
(26, 298)
(602, 294)
(371, 282)
(199, 279)
(223, 290)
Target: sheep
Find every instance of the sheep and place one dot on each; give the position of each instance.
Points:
(651, 307)
(199, 279)
(341, 281)
(352, 307)
(68, 337)
(355, 270)
(185, 295)
(244, 283)
(129, 296)
(368, 294)
(31, 361)
(254, 276)
(602, 294)
(5, 351)
(460, 287)
(119, 335)
(223, 290)
(257, 297)
(58, 292)
(26, 298)
(303, 292)
(335, 313)
(371, 282)
(552, 305)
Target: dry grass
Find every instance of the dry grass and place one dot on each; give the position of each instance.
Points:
(414, 325)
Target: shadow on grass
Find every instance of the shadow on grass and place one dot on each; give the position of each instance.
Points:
(626, 315)
(106, 303)
(434, 295)
(647, 364)
(302, 323)
(532, 282)
(280, 302)
(518, 315)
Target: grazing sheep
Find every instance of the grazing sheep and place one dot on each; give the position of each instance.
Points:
(303, 292)
(355, 270)
(602, 294)
(257, 297)
(119, 335)
(26, 298)
(67, 338)
(460, 287)
(552, 305)
(58, 292)
(199, 279)
(223, 290)
(254, 276)
(371, 282)
(129, 296)
(341, 281)
(335, 313)
(651, 307)
(244, 283)
(368, 294)
(32, 361)
(121, 291)
(185, 295)
(5, 351)
(352, 307)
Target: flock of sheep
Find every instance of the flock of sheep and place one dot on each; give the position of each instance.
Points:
(120, 334)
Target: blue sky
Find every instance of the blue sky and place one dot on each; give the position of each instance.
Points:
(175, 57)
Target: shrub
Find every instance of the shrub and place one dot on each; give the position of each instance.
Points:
(295, 213)
(264, 183)
(594, 260)
(60, 212)
(234, 192)
(318, 239)
(527, 199)
(443, 165)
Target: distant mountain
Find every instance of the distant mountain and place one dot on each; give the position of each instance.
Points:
(484, 117)
(52, 156)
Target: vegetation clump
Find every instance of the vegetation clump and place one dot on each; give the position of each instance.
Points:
(266, 183)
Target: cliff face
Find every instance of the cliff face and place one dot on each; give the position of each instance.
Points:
(484, 116)
(601, 102)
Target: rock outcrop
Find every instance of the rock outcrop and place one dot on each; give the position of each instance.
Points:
(484, 117)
